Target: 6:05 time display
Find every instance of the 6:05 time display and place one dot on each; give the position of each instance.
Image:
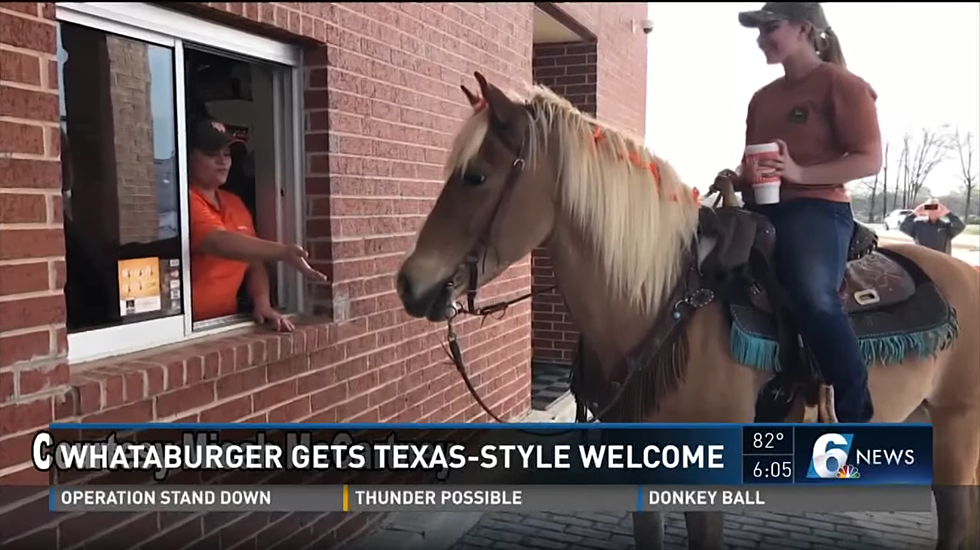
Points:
(767, 469)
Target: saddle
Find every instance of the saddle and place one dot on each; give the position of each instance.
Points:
(884, 294)
(893, 306)
(872, 279)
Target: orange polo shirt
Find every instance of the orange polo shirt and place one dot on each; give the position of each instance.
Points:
(215, 281)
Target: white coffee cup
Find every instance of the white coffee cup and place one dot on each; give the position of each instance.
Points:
(765, 188)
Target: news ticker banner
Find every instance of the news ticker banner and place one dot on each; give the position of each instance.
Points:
(543, 454)
(487, 498)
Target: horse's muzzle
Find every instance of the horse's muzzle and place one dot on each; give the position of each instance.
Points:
(432, 303)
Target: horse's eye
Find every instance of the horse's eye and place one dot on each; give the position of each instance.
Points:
(474, 179)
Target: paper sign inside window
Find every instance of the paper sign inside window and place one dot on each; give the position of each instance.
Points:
(139, 286)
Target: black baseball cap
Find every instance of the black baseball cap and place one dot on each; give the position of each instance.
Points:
(811, 12)
(209, 135)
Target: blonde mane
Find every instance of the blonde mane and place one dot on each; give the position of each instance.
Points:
(638, 215)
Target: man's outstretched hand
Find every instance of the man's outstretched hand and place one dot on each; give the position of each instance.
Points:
(294, 256)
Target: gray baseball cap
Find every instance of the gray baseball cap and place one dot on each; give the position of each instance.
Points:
(811, 12)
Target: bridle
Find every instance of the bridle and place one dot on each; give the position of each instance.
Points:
(472, 262)
(636, 364)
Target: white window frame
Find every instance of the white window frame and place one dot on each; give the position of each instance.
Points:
(172, 29)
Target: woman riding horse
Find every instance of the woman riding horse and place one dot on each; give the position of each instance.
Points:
(825, 121)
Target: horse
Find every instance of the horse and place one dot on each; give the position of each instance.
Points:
(625, 236)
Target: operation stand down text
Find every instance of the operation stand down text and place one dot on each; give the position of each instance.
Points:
(518, 498)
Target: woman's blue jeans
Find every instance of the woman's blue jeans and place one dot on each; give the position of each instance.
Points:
(812, 241)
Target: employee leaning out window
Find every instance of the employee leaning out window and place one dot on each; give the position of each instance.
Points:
(224, 248)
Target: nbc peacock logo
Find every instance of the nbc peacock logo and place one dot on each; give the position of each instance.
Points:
(848, 472)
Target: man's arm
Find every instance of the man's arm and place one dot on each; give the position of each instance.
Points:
(956, 225)
(908, 225)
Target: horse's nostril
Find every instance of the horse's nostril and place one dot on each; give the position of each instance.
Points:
(404, 286)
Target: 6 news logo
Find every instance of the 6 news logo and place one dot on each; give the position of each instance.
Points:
(829, 458)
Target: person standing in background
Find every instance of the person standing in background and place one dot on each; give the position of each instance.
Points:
(933, 226)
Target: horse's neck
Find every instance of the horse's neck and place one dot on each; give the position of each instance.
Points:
(610, 324)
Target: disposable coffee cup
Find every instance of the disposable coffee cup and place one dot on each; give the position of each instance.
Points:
(765, 188)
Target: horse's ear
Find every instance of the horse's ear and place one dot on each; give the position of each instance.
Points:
(470, 96)
(502, 108)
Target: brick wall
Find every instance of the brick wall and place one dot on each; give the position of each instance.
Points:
(606, 78)
(571, 70)
(381, 102)
(132, 137)
(32, 310)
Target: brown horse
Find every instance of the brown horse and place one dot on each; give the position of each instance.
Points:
(619, 226)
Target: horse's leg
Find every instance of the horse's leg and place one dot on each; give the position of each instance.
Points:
(648, 530)
(955, 455)
(705, 530)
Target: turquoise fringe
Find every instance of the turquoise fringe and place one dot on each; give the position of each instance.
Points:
(762, 353)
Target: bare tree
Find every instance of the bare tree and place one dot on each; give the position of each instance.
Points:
(968, 174)
(919, 157)
(884, 181)
(872, 185)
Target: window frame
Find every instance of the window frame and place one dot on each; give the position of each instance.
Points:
(171, 29)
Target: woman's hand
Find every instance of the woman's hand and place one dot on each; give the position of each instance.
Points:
(296, 257)
(265, 315)
(783, 166)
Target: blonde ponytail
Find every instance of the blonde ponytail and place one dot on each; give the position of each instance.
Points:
(827, 45)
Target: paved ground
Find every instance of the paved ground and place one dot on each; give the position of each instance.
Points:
(761, 530)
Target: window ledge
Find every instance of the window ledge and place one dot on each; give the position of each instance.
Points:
(166, 384)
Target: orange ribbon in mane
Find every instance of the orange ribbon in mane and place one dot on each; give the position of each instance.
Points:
(634, 157)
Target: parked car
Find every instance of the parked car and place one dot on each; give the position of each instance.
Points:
(894, 218)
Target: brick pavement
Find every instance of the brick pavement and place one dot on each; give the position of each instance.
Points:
(759, 530)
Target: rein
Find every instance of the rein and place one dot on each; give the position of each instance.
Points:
(636, 361)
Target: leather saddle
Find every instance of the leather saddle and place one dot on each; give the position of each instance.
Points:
(872, 280)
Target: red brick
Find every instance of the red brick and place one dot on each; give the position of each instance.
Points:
(240, 382)
(23, 278)
(21, 138)
(43, 377)
(6, 387)
(229, 411)
(30, 243)
(20, 67)
(141, 411)
(17, 417)
(21, 208)
(272, 395)
(31, 312)
(32, 174)
(175, 402)
(21, 103)
(27, 33)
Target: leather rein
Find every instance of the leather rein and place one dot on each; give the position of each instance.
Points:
(636, 361)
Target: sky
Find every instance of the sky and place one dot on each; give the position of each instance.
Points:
(923, 60)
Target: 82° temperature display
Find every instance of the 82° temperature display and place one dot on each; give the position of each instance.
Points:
(767, 440)
(767, 454)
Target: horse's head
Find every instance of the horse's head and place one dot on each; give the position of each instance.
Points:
(495, 207)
